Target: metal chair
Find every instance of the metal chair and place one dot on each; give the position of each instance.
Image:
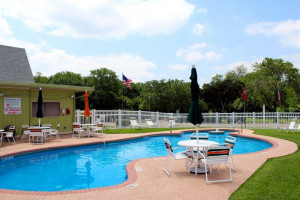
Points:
(9, 134)
(77, 130)
(231, 141)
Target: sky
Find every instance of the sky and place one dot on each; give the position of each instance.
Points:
(151, 39)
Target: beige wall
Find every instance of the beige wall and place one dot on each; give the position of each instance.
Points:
(31, 95)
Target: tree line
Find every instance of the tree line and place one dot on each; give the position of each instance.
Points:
(269, 79)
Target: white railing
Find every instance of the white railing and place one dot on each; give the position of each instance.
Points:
(120, 118)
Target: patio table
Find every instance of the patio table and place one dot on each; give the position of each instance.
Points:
(43, 128)
(88, 128)
(199, 145)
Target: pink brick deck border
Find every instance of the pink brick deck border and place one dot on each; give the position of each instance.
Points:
(132, 174)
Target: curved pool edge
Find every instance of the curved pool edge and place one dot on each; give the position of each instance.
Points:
(131, 172)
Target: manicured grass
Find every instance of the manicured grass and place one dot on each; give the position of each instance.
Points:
(140, 130)
(278, 178)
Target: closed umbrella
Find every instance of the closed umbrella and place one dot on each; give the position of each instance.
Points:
(195, 115)
(86, 105)
(39, 112)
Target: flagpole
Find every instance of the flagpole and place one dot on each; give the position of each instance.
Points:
(122, 90)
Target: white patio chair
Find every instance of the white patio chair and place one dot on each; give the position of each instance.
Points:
(46, 125)
(54, 132)
(77, 130)
(25, 131)
(200, 136)
(36, 133)
(9, 134)
(291, 127)
(98, 129)
(177, 156)
(172, 123)
(216, 155)
(133, 123)
(231, 141)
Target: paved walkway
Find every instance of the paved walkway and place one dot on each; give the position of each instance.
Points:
(152, 182)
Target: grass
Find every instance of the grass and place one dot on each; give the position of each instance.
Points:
(278, 178)
(140, 130)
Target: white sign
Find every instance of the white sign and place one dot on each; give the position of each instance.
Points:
(12, 105)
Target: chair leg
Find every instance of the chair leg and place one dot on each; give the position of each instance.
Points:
(206, 173)
(164, 168)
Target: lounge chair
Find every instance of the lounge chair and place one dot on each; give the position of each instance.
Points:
(172, 122)
(231, 141)
(177, 156)
(150, 123)
(133, 123)
(216, 155)
(291, 127)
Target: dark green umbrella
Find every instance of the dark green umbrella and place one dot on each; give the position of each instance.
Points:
(39, 112)
(195, 115)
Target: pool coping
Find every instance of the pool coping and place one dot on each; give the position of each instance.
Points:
(131, 172)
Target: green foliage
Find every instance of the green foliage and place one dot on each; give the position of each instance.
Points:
(66, 78)
(40, 79)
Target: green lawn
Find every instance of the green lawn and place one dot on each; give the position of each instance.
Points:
(278, 178)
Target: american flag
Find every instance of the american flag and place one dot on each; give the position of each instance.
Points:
(127, 82)
(279, 95)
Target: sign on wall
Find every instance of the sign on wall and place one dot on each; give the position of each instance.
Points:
(12, 105)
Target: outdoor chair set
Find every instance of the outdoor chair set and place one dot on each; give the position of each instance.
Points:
(88, 130)
(149, 123)
(292, 128)
(207, 153)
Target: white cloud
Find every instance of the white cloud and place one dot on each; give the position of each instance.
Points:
(4, 27)
(100, 19)
(294, 58)
(202, 10)
(179, 67)
(288, 31)
(134, 66)
(198, 29)
(196, 52)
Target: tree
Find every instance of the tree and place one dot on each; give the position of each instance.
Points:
(107, 89)
(66, 78)
(40, 79)
(263, 83)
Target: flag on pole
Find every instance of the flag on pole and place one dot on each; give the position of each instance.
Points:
(244, 96)
(127, 82)
(279, 95)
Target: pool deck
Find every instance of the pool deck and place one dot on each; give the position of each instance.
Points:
(150, 182)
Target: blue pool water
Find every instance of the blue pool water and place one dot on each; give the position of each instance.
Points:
(94, 165)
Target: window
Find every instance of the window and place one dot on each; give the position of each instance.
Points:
(50, 109)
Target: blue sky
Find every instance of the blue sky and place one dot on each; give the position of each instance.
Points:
(153, 39)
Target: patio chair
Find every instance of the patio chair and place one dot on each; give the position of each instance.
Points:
(177, 156)
(9, 134)
(25, 131)
(133, 123)
(46, 125)
(172, 123)
(36, 133)
(98, 129)
(231, 142)
(216, 155)
(77, 130)
(150, 123)
(54, 132)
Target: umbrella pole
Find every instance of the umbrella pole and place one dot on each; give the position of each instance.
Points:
(197, 130)
(39, 122)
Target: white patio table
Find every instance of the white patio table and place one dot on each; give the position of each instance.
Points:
(43, 128)
(198, 145)
(87, 126)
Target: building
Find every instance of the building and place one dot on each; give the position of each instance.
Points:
(19, 94)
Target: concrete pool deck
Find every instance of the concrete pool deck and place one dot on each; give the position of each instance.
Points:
(150, 182)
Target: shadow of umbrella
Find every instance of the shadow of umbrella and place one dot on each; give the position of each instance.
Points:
(86, 105)
(195, 115)
(39, 112)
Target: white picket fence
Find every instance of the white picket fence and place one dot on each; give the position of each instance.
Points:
(120, 119)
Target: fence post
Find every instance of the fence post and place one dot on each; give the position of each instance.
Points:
(157, 118)
(120, 118)
(277, 120)
(264, 116)
(94, 116)
(253, 120)
(140, 116)
(217, 120)
(233, 119)
(78, 116)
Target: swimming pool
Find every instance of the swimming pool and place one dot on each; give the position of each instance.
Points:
(93, 165)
